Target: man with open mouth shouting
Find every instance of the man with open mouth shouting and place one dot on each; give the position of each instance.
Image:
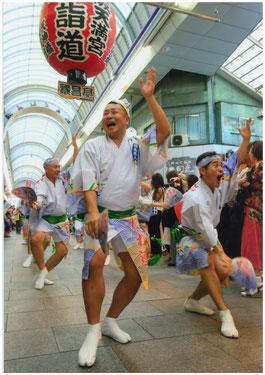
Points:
(109, 170)
(199, 252)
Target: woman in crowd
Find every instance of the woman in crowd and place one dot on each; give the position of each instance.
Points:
(251, 244)
(157, 186)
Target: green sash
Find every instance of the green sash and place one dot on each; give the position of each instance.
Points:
(79, 217)
(118, 214)
(178, 233)
(55, 219)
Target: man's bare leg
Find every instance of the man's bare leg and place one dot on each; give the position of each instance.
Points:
(28, 261)
(211, 284)
(93, 293)
(60, 252)
(123, 294)
(38, 245)
(36, 241)
(211, 280)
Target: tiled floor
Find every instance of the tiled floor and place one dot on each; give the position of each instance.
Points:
(44, 329)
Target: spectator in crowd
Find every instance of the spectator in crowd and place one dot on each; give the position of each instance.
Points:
(191, 180)
(18, 218)
(7, 220)
(232, 216)
(154, 224)
(252, 237)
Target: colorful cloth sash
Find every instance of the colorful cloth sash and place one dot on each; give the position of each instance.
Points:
(54, 219)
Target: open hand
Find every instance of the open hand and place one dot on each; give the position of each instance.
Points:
(148, 87)
(74, 136)
(246, 131)
(92, 225)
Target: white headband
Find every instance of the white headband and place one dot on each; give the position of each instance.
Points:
(50, 161)
(205, 161)
(124, 103)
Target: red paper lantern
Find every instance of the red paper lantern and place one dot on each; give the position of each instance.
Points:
(77, 38)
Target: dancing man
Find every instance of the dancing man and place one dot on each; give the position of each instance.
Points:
(109, 170)
(51, 202)
(199, 251)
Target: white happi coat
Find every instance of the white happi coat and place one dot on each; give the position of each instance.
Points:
(202, 208)
(53, 202)
(112, 172)
(51, 196)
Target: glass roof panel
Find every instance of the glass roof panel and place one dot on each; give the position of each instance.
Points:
(125, 8)
(26, 73)
(28, 160)
(246, 62)
(258, 33)
(255, 73)
(30, 149)
(31, 137)
(35, 129)
(26, 173)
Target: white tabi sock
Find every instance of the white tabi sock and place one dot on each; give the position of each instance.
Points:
(228, 328)
(110, 328)
(195, 306)
(28, 261)
(259, 282)
(107, 260)
(88, 351)
(48, 282)
(39, 283)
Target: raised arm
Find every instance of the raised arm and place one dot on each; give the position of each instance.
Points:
(76, 150)
(162, 124)
(246, 135)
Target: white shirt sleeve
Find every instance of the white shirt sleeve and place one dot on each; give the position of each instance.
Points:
(143, 201)
(198, 218)
(151, 156)
(84, 173)
(41, 191)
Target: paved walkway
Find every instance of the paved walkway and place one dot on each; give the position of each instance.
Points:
(44, 329)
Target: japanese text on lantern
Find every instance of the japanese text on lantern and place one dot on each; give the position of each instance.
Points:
(44, 38)
(71, 42)
(99, 28)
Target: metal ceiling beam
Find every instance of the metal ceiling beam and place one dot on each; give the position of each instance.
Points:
(183, 11)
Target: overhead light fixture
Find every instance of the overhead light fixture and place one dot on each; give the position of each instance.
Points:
(166, 49)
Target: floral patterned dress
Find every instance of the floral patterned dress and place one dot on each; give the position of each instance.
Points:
(252, 237)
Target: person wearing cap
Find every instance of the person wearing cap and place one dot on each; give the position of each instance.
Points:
(109, 170)
(199, 252)
(51, 203)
